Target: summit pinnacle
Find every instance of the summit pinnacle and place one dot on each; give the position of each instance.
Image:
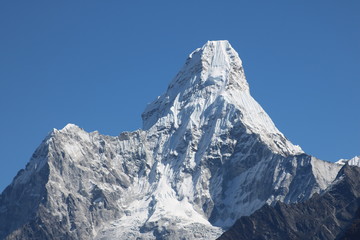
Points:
(213, 78)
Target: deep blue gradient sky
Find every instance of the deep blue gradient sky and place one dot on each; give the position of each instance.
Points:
(98, 63)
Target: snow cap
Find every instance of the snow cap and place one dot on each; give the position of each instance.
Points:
(216, 63)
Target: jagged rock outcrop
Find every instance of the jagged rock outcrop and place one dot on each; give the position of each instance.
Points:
(329, 215)
(207, 155)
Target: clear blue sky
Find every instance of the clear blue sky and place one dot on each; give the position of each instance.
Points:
(98, 63)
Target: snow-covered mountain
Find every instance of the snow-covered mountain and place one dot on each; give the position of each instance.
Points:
(207, 155)
(355, 161)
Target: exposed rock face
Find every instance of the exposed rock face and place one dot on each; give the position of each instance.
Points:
(353, 231)
(326, 216)
(208, 155)
(72, 184)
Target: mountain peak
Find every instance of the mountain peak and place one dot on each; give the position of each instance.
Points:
(213, 42)
(70, 127)
(208, 72)
(218, 64)
(220, 54)
(355, 161)
(212, 80)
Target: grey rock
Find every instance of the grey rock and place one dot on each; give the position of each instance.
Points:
(327, 215)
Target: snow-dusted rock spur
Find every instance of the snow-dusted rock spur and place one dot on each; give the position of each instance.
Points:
(207, 155)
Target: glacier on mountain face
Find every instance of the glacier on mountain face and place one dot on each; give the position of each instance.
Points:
(207, 154)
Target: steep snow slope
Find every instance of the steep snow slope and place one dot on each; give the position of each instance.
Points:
(208, 154)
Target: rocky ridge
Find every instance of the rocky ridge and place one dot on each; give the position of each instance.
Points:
(333, 214)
